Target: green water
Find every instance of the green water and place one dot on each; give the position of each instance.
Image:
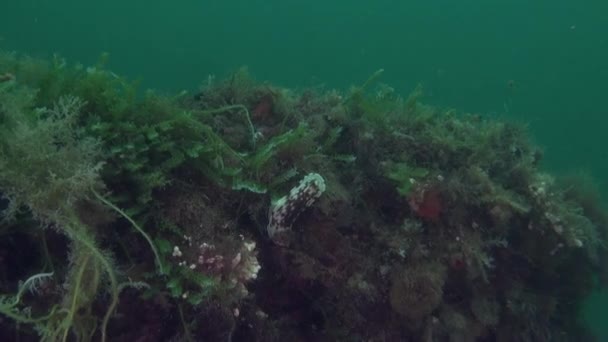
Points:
(541, 62)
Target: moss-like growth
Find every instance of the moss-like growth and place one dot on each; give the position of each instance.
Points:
(416, 291)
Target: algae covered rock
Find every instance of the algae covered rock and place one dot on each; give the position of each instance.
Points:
(251, 212)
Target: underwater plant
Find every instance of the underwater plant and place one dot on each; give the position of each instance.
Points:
(49, 167)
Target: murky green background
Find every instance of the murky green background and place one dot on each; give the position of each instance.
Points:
(543, 62)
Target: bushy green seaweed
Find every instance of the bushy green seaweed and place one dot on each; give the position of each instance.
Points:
(48, 167)
(405, 177)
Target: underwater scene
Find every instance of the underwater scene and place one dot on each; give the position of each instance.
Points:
(247, 170)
